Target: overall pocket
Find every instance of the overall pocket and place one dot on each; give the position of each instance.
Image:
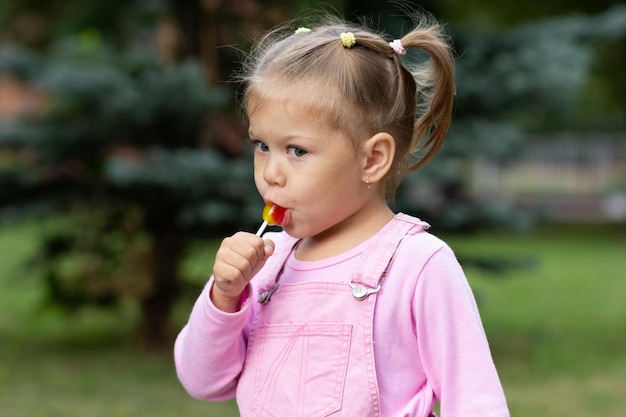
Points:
(300, 369)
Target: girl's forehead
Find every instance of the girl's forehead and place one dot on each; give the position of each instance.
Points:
(305, 90)
(270, 114)
(263, 107)
(317, 101)
(297, 99)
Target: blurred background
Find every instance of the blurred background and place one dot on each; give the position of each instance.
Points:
(124, 161)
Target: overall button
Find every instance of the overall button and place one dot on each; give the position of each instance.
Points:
(359, 292)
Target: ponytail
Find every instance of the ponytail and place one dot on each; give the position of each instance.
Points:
(435, 91)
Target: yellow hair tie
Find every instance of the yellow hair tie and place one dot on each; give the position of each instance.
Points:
(348, 39)
(303, 30)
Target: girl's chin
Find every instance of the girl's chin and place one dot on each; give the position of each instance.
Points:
(293, 231)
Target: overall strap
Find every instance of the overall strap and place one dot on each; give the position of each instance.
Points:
(374, 262)
(367, 279)
(274, 266)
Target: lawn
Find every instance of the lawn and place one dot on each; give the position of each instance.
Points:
(558, 326)
(556, 323)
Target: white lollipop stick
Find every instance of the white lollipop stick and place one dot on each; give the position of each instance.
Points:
(262, 228)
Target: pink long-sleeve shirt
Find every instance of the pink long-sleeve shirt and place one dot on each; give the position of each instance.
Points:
(425, 316)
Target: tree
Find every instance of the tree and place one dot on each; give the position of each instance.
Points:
(119, 147)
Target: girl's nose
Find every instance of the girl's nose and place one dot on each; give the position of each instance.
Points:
(273, 174)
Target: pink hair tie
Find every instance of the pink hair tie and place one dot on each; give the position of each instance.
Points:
(397, 47)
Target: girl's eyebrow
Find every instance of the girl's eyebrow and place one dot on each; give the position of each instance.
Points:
(252, 137)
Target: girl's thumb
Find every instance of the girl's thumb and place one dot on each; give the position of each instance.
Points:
(268, 248)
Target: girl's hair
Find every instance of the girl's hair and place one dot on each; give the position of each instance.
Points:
(363, 89)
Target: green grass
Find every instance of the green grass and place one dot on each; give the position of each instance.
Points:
(557, 329)
(84, 363)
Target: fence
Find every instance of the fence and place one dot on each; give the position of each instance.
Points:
(569, 177)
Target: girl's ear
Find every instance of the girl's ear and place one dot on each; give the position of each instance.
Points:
(377, 156)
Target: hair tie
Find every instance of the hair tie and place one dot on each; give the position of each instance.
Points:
(303, 30)
(397, 47)
(348, 39)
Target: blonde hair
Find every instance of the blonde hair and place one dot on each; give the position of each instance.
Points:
(364, 89)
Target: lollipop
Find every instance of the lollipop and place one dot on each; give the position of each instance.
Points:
(272, 215)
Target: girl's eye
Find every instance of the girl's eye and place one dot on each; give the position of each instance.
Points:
(260, 146)
(297, 152)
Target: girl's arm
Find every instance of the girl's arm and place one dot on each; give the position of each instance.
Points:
(209, 351)
(454, 349)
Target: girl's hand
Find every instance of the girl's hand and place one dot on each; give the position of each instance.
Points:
(237, 261)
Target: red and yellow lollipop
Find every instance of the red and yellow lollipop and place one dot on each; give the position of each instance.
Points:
(273, 215)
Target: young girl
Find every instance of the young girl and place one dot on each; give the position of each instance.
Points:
(352, 310)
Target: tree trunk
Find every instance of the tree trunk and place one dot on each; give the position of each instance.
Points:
(156, 306)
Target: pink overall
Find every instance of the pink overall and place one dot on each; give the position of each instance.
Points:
(304, 362)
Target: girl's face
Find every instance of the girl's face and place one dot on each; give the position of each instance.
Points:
(303, 165)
